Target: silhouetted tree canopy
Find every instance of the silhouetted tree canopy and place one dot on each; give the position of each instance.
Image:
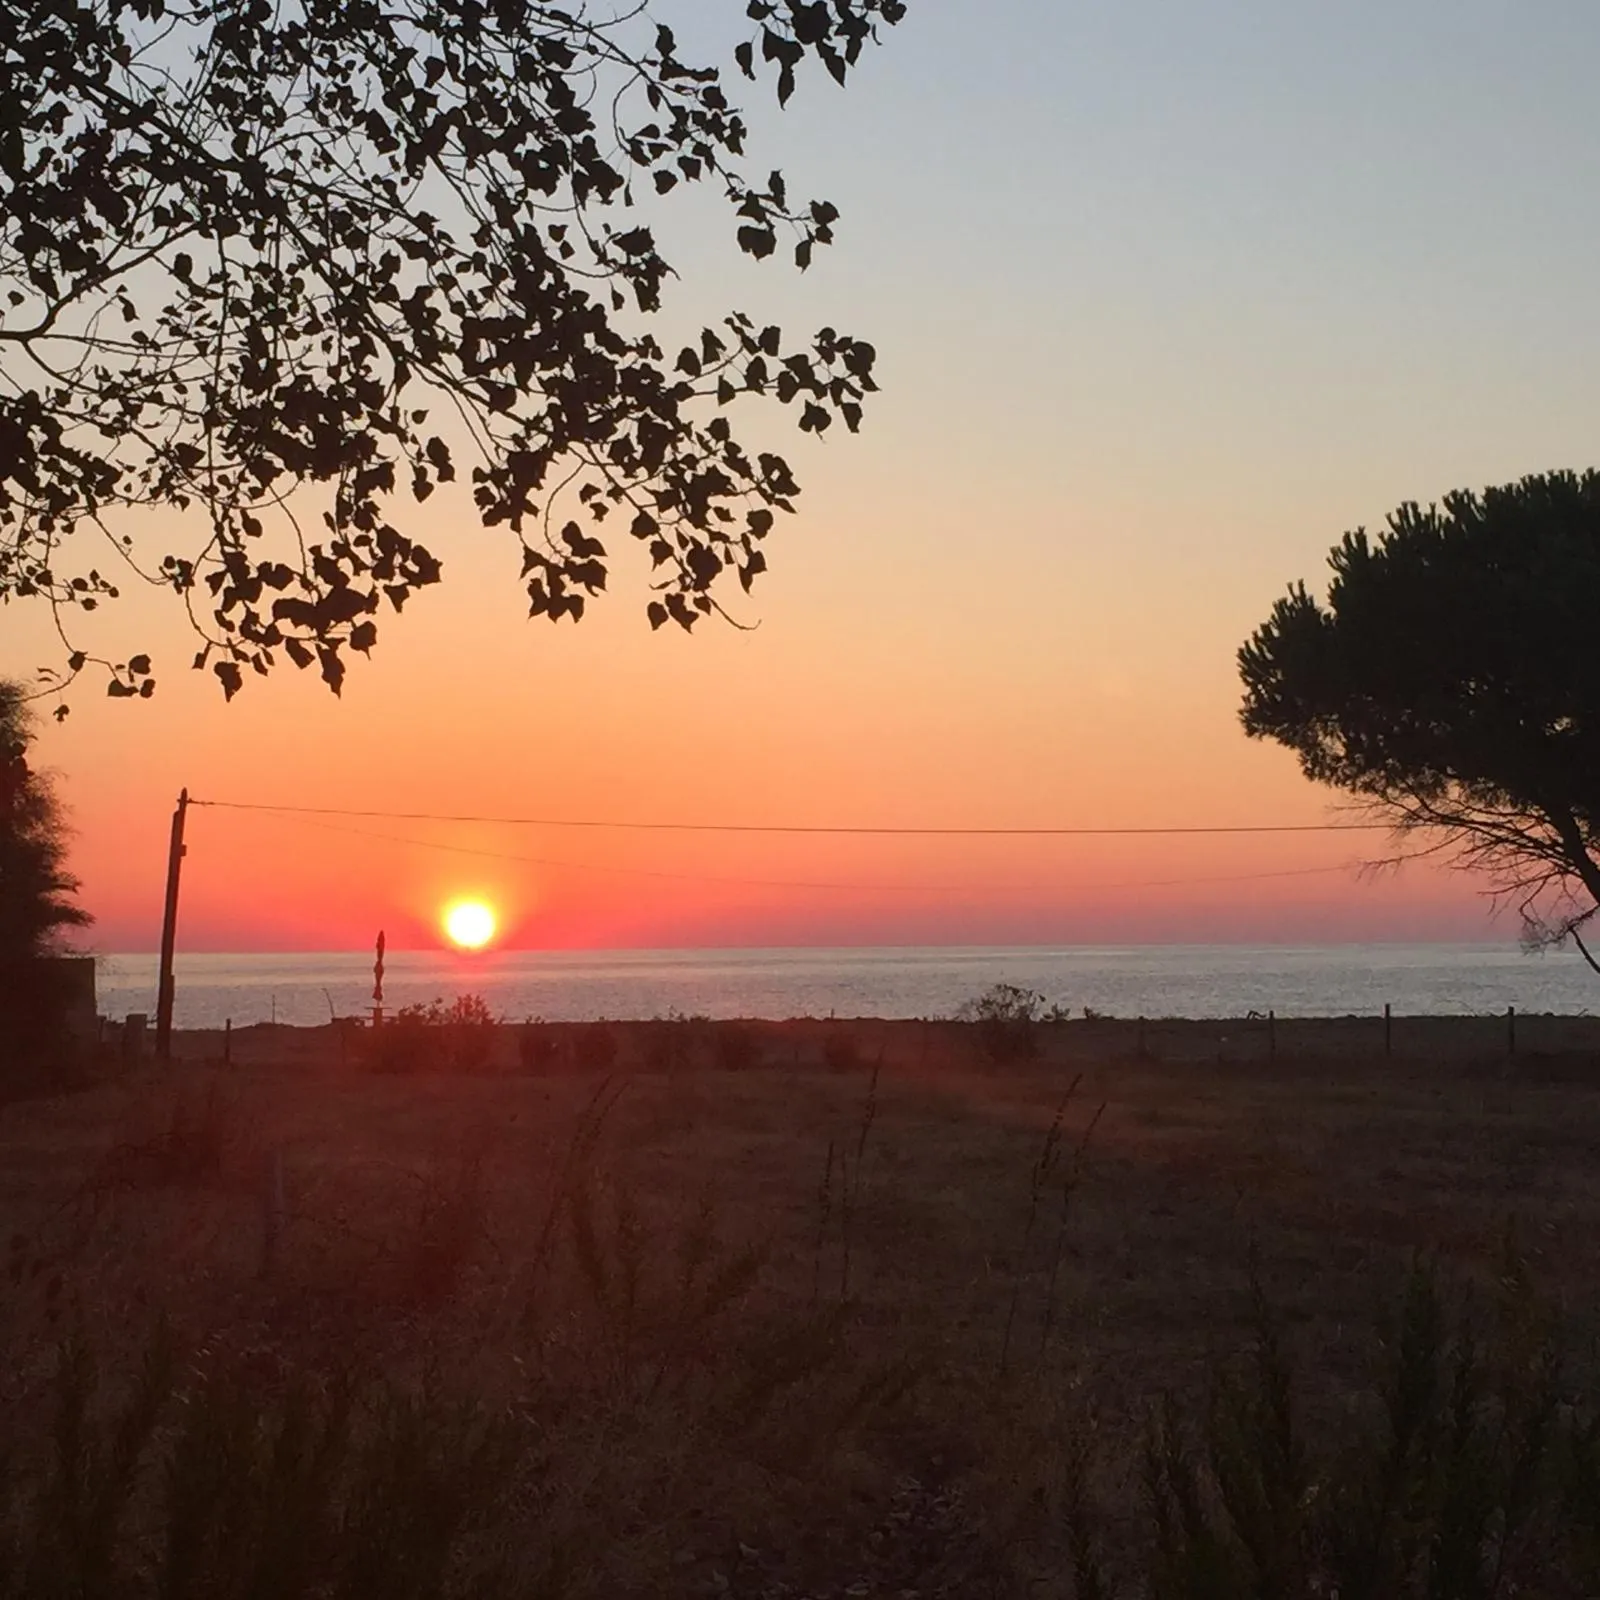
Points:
(262, 262)
(36, 908)
(1453, 678)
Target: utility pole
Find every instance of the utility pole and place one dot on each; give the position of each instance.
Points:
(169, 933)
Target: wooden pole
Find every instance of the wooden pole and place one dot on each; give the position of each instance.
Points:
(1511, 1030)
(169, 932)
(1272, 1035)
(1388, 1030)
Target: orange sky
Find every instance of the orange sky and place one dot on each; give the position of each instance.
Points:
(1155, 327)
(468, 708)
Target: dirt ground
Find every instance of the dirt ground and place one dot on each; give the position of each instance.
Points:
(1043, 1241)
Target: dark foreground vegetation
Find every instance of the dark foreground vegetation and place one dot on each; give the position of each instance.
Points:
(888, 1313)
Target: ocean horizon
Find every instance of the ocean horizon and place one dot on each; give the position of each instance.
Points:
(1190, 980)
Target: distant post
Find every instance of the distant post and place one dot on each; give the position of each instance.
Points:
(1511, 1030)
(377, 985)
(1272, 1035)
(1388, 1030)
(169, 932)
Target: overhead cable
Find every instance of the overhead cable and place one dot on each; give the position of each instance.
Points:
(864, 829)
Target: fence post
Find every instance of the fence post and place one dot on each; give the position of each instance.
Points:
(1272, 1035)
(1511, 1030)
(227, 1041)
(1388, 1030)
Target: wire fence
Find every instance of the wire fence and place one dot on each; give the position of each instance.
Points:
(677, 1043)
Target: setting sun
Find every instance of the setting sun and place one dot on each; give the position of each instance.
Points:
(469, 924)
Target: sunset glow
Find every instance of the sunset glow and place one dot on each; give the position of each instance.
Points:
(469, 924)
(1214, 341)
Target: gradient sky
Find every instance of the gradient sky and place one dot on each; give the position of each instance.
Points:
(1166, 298)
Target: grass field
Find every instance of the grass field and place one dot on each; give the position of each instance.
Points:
(793, 1329)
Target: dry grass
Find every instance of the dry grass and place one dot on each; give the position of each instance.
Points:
(639, 1254)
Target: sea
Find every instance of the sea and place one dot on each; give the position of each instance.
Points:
(1187, 980)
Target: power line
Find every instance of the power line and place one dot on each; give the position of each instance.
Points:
(808, 884)
(806, 828)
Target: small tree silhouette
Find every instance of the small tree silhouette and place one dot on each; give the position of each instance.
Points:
(1006, 1017)
(36, 908)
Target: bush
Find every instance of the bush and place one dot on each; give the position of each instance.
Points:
(458, 1037)
(672, 1042)
(1007, 1020)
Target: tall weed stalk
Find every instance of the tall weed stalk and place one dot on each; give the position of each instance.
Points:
(1455, 1487)
(1039, 1176)
(210, 1491)
(850, 1179)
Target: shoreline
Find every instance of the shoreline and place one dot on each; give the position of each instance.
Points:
(1220, 983)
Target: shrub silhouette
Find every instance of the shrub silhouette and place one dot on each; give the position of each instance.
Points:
(1007, 1021)
(436, 1037)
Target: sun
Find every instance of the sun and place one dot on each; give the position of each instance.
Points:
(469, 924)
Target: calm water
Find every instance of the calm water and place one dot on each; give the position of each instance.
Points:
(1145, 980)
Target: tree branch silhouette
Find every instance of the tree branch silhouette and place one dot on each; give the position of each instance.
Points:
(245, 252)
